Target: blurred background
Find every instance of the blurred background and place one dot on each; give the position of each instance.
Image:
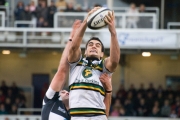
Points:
(146, 84)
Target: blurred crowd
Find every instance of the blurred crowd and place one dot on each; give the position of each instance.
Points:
(42, 14)
(11, 98)
(146, 102)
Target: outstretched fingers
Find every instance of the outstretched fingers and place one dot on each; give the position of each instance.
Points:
(109, 17)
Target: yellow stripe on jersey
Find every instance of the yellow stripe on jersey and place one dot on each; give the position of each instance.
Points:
(88, 86)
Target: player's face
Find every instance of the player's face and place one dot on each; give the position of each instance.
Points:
(64, 95)
(93, 49)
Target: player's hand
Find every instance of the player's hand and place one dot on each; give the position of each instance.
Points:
(75, 26)
(90, 12)
(106, 81)
(110, 20)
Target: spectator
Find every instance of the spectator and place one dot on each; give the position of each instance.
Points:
(41, 10)
(169, 91)
(177, 108)
(178, 90)
(170, 98)
(128, 106)
(70, 7)
(28, 14)
(79, 8)
(8, 105)
(2, 109)
(120, 97)
(10, 95)
(142, 8)
(51, 11)
(131, 19)
(151, 89)
(21, 95)
(155, 112)
(121, 90)
(159, 90)
(2, 97)
(97, 5)
(122, 111)
(166, 109)
(132, 90)
(32, 8)
(115, 111)
(117, 103)
(20, 13)
(61, 5)
(142, 108)
(149, 101)
(4, 87)
(41, 22)
(142, 90)
(160, 99)
(173, 114)
(14, 89)
(13, 110)
(137, 101)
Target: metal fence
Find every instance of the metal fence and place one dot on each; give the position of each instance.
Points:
(57, 38)
(123, 20)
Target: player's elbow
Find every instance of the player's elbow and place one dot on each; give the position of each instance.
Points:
(114, 63)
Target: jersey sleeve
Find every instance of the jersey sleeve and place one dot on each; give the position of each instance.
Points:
(50, 95)
(105, 70)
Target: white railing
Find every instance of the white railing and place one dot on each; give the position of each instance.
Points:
(6, 14)
(57, 38)
(171, 24)
(20, 117)
(64, 20)
(32, 23)
(2, 14)
(147, 9)
(28, 110)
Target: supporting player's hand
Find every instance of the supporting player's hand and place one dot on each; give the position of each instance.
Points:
(110, 20)
(106, 81)
(90, 12)
(75, 26)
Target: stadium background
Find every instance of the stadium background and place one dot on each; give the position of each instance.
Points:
(32, 68)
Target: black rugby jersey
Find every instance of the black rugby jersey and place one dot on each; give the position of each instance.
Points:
(53, 108)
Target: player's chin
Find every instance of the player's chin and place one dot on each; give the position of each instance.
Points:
(93, 55)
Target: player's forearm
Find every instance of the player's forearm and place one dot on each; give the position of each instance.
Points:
(114, 50)
(77, 39)
(107, 102)
(63, 64)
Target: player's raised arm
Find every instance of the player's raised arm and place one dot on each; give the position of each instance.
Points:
(112, 61)
(75, 51)
(106, 81)
(59, 78)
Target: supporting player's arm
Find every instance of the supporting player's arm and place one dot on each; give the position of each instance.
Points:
(112, 61)
(75, 51)
(106, 81)
(59, 78)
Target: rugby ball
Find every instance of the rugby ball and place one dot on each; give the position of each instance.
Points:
(96, 19)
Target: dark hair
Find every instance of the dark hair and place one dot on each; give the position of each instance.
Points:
(96, 38)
